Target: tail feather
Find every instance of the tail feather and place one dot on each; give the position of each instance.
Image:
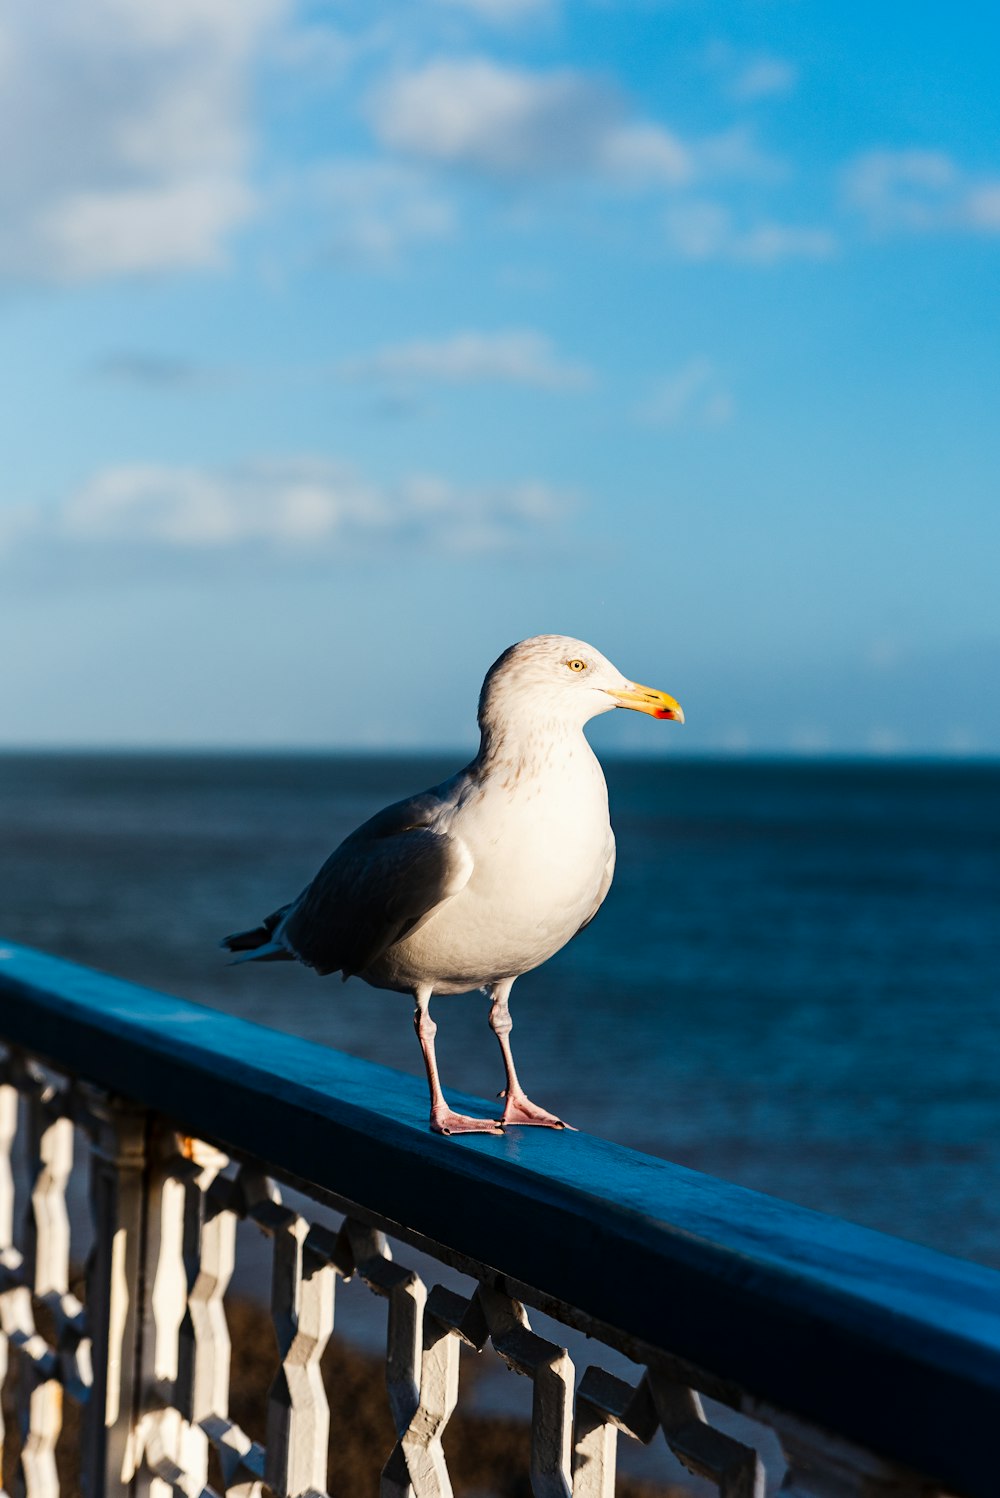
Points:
(246, 941)
(258, 943)
(271, 952)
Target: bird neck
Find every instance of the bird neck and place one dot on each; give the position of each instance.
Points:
(530, 749)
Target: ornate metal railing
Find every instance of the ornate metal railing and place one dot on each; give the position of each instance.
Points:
(876, 1363)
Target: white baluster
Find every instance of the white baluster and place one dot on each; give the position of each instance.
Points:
(606, 1405)
(551, 1370)
(46, 1269)
(406, 1294)
(8, 1255)
(161, 1428)
(113, 1309)
(736, 1469)
(203, 1347)
(298, 1416)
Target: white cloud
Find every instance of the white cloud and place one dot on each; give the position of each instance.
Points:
(191, 507)
(521, 357)
(643, 154)
(736, 152)
(811, 738)
(318, 54)
(300, 507)
(126, 130)
(982, 207)
(747, 77)
(475, 112)
(961, 741)
(763, 78)
(499, 12)
(374, 210)
(882, 740)
(503, 121)
(920, 191)
(152, 371)
(901, 189)
(172, 225)
(707, 231)
(692, 396)
(883, 654)
(768, 242)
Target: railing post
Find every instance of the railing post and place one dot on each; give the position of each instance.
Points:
(298, 1416)
(117, 1192)
(46, 1266)
(8, 1253)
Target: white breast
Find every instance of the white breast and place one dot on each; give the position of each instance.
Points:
(540, 839)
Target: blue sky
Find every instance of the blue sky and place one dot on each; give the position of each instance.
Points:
(346, 344)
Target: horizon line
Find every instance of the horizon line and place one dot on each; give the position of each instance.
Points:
(385, 751)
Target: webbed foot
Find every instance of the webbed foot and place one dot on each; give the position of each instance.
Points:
(444, 1121)
(519, 1109)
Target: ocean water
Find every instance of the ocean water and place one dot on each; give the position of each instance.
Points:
(794, 983)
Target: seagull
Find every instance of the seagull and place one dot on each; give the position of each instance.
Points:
(470, 884)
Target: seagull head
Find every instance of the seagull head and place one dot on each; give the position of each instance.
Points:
(554, 678)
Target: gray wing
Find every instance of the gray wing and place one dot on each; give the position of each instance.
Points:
(609, 874)
(381, 884)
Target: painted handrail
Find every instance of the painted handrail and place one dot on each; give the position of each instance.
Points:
(890, 1345)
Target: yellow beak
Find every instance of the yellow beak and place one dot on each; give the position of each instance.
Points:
(649, 700)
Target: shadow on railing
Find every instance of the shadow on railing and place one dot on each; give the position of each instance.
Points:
(876, 1363)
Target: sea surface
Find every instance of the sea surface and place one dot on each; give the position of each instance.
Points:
(794, 983)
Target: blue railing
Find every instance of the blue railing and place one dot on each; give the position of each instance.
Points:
(888, 1345)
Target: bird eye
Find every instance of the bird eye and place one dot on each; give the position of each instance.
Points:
(577, 665)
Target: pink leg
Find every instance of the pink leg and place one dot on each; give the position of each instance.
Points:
(518, 1108)
(443, 1120)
